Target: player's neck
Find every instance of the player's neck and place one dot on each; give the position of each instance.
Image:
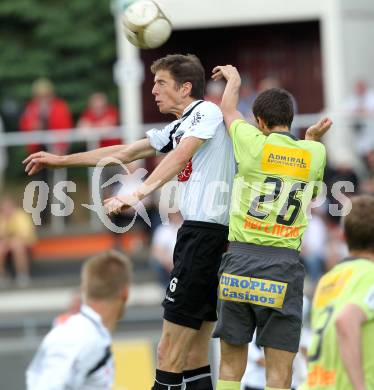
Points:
(363, 254)
(179, 109)
(280, 129)
(108, 311)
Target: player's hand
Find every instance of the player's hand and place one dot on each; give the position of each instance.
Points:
(316, 131)
(40, 160)
(229, 72)
(117, 204)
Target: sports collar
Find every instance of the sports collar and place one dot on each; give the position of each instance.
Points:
(287, 134)
(352, 258)
(187, 111)
(95, 319)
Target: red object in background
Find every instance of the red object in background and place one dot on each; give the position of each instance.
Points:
(109, 117)
(59, 118)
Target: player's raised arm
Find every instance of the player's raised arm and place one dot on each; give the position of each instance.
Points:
(169, 167)
(230, 96)
(125, 153)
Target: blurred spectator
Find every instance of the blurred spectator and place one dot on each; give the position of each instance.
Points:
(336, 247)
(367, 184)
(3, 156)
(17, 235)
(313, 248)
(73, 308)
(77, 354)
(162, 247)
(361, 101)
(247, 97)
(214, 91)
(101, 116)
(46, 112)
(336, 179)
(360, 107)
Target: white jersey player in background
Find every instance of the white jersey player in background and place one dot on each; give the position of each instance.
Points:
(76, 355)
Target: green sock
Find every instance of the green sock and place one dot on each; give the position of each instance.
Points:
(227, 385)
(273, 388)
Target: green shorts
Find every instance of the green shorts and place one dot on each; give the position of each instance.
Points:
(261, 288)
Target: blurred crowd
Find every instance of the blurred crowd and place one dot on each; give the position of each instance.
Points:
(323, 243)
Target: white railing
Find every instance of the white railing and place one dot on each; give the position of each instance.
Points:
(339, 141)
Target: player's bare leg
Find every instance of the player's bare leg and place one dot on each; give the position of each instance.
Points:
(173, 346)
(172, 350)
(232, 367)
(21, 260)
(197, 374)
(278, 368)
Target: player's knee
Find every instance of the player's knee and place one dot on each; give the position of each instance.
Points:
(278, 378)
(169, 357)
(17, 245)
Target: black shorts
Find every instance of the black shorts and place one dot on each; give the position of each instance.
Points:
(191, 296)
(261, 287)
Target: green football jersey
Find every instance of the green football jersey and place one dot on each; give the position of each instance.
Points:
(350, 282)
(277, 177)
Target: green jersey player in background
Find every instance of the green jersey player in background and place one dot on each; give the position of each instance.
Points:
(261, 275)
(341, 355)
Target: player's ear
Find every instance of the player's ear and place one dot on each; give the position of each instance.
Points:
(186, 89)
(260, 122)
(125, 293)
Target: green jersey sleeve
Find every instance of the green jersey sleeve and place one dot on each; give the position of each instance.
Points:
(245, 139)
(363, 295)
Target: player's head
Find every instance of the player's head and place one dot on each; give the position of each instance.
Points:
(359, 225)
(178, 79)
(106, 277)
(273, 108)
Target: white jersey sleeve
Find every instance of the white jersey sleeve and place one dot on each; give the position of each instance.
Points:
(203, 122)
(162, 139)
(67, 356)
(59, 366)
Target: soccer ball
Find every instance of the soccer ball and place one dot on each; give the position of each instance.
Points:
(146, 25)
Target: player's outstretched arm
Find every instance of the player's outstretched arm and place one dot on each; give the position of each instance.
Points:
(348, 329)
(125, 153)
(169, 167)
(316, 131)
(230, 96)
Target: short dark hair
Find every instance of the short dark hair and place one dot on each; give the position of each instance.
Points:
(359, 224)
(275, 107)
(183, 69)
(105, 275)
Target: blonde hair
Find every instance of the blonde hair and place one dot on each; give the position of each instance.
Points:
(105, 275)
(42, 87)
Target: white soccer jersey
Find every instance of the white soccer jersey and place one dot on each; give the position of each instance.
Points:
(74, 355)
(206, 182)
